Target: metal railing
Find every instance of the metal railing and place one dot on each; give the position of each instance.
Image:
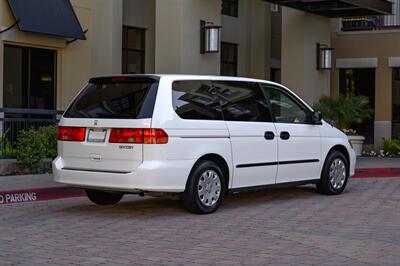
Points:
(13, 120)
(370, 23)
(358, 24)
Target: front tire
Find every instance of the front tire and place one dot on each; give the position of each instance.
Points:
(103, 197)
(335, 174)
(205, 188)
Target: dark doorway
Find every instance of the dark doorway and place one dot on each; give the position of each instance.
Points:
(360, 81)
(29, 78)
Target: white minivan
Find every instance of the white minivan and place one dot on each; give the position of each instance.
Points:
(198, 137)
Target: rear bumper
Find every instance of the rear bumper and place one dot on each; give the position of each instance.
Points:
(150, 176)
(353, 159)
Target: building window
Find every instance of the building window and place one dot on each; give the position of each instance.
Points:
(133, 50)
(275, 75)
(29, 77)
(396, 104)
(230, 8)
(229, 59)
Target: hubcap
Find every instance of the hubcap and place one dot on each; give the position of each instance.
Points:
(337, 173)
(209, 188)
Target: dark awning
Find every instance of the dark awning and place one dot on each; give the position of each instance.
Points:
(339, 8)
(52, 17)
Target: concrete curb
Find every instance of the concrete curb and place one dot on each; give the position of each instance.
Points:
(39, 194)
(377, 172)
(54, 193)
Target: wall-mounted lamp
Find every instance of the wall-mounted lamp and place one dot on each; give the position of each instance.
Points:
(324, 57)
(209, 37)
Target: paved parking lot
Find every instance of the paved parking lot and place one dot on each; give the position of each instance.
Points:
(285, 226)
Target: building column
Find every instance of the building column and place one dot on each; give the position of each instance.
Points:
(300, 34)
(253, 32)
(177, 36)
(107, 37)
(383, 103)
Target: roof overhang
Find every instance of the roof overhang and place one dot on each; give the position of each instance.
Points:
(339, 8)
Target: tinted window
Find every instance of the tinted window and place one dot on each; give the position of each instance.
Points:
(242, 101)
(132, 99)
(284, 107)
(195, 99)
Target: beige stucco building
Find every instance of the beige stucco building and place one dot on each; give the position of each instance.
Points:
(368, 62)
(258, 39)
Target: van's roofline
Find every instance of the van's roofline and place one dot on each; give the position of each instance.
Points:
(186, 76)
(201, 77)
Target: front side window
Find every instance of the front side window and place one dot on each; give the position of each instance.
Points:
(284, 107)
(133, 50)
(242, 101)
(195, 99)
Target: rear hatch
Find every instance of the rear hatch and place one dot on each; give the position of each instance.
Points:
(101, 130)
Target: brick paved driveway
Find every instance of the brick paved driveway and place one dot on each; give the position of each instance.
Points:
(286, 226)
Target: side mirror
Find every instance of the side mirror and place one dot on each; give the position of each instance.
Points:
(316, 117)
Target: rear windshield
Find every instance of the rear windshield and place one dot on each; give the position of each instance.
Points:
(128, 99)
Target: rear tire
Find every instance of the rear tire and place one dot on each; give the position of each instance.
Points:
(205, 188)
(103, 197)
(335, 174)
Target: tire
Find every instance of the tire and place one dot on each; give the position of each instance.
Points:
(103, 197)
(205, 188)
(335, 174)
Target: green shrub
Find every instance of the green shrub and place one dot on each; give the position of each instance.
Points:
(34, 145)
(344, 111)
(392, 146)
(5, 146)
(50, 140)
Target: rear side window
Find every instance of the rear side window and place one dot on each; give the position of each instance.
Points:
(131, 98)
(195, 99)
(242, 101)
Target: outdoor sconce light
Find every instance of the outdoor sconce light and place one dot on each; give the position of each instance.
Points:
(324, 57)
(209, 37)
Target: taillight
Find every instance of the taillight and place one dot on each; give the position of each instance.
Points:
(155, 136)
(138, 136)
(71, 133)
(126, 135)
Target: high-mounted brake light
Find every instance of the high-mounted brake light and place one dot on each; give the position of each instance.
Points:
(71, 133)
(138, 136)
(119, 79)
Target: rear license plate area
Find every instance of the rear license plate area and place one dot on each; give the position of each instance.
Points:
(97, 135)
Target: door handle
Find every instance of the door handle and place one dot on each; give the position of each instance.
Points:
(269, 135)
(285, 135)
